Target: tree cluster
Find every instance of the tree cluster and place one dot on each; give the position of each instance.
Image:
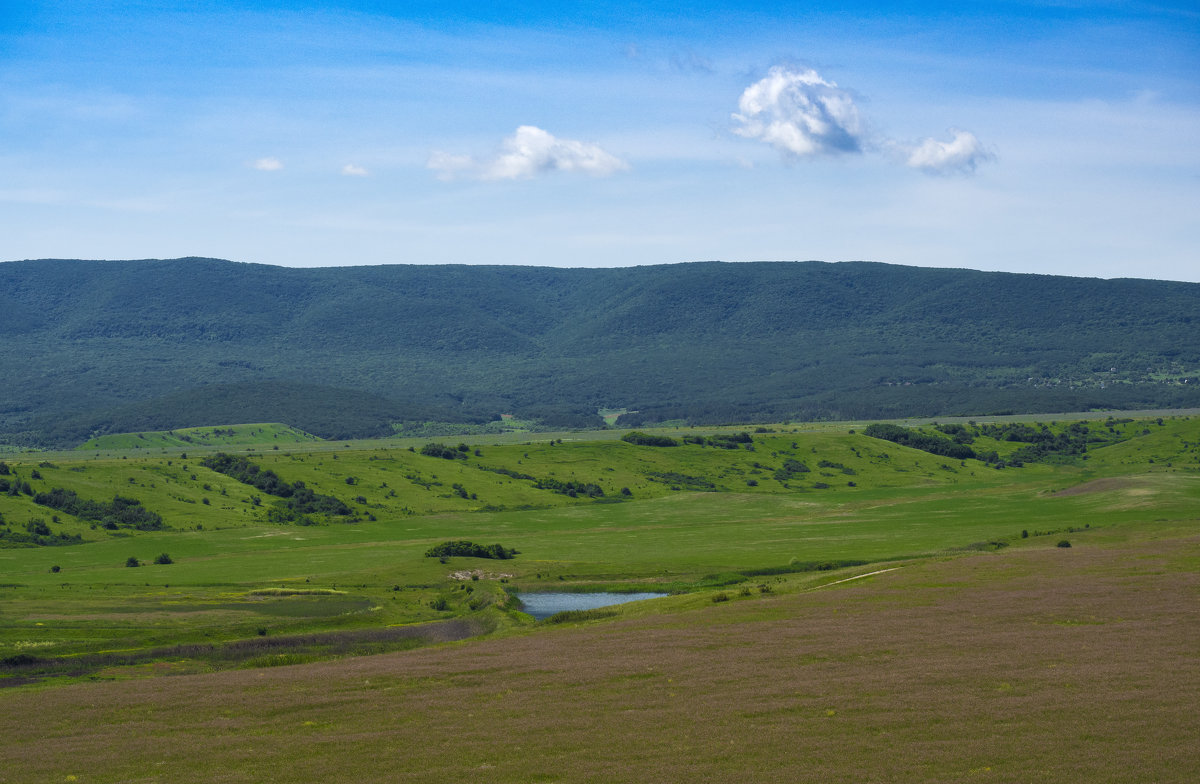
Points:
(639, 438)
(446, 452)
(926, 442)
(119, 513)
(300, 499)
(464, 548)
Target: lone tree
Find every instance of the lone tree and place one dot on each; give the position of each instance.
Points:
(163, 559)
(131, 561)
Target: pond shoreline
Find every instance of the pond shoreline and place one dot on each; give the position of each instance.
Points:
(543, 604)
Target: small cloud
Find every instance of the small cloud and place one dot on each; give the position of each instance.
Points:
(527, 153)
(959, 155)
(800, 114)
(350, 170)
(268, 164)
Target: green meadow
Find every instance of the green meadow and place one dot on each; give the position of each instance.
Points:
(840, 608)
(184, 437)
(724, 510)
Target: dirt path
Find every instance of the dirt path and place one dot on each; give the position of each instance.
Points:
(855, 577)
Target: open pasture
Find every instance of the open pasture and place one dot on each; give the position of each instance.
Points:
(967, 643)
(583, 515)
(697, 517)
(1032, 663)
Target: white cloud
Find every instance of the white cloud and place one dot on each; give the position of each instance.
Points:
(268, 164)
(800, 114)
(527, 153)
(959, 155)
(351, 170)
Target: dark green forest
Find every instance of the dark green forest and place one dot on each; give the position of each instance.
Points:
(91, 347)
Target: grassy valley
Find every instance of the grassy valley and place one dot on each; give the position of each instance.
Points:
(714, 509)
(825, 588)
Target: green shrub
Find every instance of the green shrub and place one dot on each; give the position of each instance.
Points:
(442, 451)
(132, 561)
(1064, 543)
(639, 438)
(163, 559)
(467, 549)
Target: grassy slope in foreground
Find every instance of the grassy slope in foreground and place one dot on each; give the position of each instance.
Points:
(1034, 663)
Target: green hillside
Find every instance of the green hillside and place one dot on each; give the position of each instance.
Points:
(231, 435)
(308, 539)
(92, 348)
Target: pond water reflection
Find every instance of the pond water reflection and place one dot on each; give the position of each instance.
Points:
(543, 605)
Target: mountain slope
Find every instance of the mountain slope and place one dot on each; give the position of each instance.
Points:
(96, 346)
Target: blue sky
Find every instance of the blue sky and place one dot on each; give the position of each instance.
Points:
(1055, 137)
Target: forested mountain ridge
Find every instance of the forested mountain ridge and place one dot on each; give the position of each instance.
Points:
(96, 346)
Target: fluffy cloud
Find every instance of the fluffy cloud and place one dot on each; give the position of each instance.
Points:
(527, 153)
(268, 164)
(804, 116)
(350, 170)
(799, 114)
(959, 155)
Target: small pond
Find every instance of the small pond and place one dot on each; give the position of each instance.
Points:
(543, 605)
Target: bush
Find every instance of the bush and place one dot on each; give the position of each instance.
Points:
(55, 569)
(163, 559)
(37, 527)
(1064, 543)
(131, 561)
(720, 597)
(442, 451)
(470, 550)
(639, 438)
